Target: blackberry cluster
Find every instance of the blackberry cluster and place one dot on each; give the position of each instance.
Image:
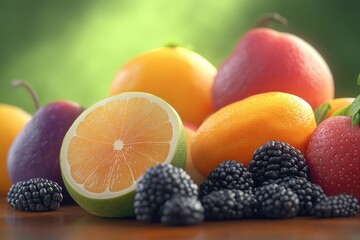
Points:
(337, 206)
(276, 201)
(277, 185)
(35, 195)
(277, 160)
(159, 184)
(180, 210)
(229, 204)
(228, 175)
(309, 194)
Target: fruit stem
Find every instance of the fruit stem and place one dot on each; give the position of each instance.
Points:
(353, 111)
(264, 20)
(321, 111)
(171, 45)
(29, 89)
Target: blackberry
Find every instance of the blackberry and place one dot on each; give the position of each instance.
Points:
(337, 206)
(156, 186)
(229, 204)
(276, 160)
(35, 195)
(309, 194)
(276, 201)
(228, 175)
(180, 210)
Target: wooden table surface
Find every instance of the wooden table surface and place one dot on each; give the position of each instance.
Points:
(71, 222)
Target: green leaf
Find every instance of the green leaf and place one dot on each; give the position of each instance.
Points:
(353, 111)
(355, 119)
(321, 111)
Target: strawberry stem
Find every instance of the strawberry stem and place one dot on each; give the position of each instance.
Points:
(321, 111)
(353, 111)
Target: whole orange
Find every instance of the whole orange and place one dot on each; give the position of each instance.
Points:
(181, 77)
(235, 131)
(12, 120)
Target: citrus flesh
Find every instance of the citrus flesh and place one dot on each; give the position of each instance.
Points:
(110, 146)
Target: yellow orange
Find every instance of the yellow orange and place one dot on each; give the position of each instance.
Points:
(112, 143)
(235, 131)
(190, 168)
(336, 104)
(12, 120)
(181, 77)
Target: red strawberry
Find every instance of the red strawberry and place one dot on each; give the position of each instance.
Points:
(333, 153)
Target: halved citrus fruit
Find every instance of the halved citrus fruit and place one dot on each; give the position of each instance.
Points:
(110, 146)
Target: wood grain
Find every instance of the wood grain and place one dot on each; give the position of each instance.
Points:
(71, 222)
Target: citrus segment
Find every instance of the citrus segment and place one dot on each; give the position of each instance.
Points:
(113, 143)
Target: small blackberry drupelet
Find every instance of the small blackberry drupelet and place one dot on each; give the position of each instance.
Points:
(337, 206)
(227, 175)
(229, 204)
(35, 195)
(180, 210)
(159, 184)
(309, 193)
(276, 160)
(276, 201)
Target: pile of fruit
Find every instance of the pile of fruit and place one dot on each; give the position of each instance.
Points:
(179, 141)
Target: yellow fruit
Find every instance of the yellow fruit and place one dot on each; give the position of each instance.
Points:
(235, 131)
(190, 168)
(338, 103)
(179, 76)
(12, 120)
(112, 143)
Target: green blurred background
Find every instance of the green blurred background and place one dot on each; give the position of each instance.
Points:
(72, 49)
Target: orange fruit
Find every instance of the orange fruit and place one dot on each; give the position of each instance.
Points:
(235, 131)
(189, 167)
(337, 103)
(181, 77)
(12, 120)
(112, 143)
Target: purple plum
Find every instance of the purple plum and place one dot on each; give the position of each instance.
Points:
(35, 151)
